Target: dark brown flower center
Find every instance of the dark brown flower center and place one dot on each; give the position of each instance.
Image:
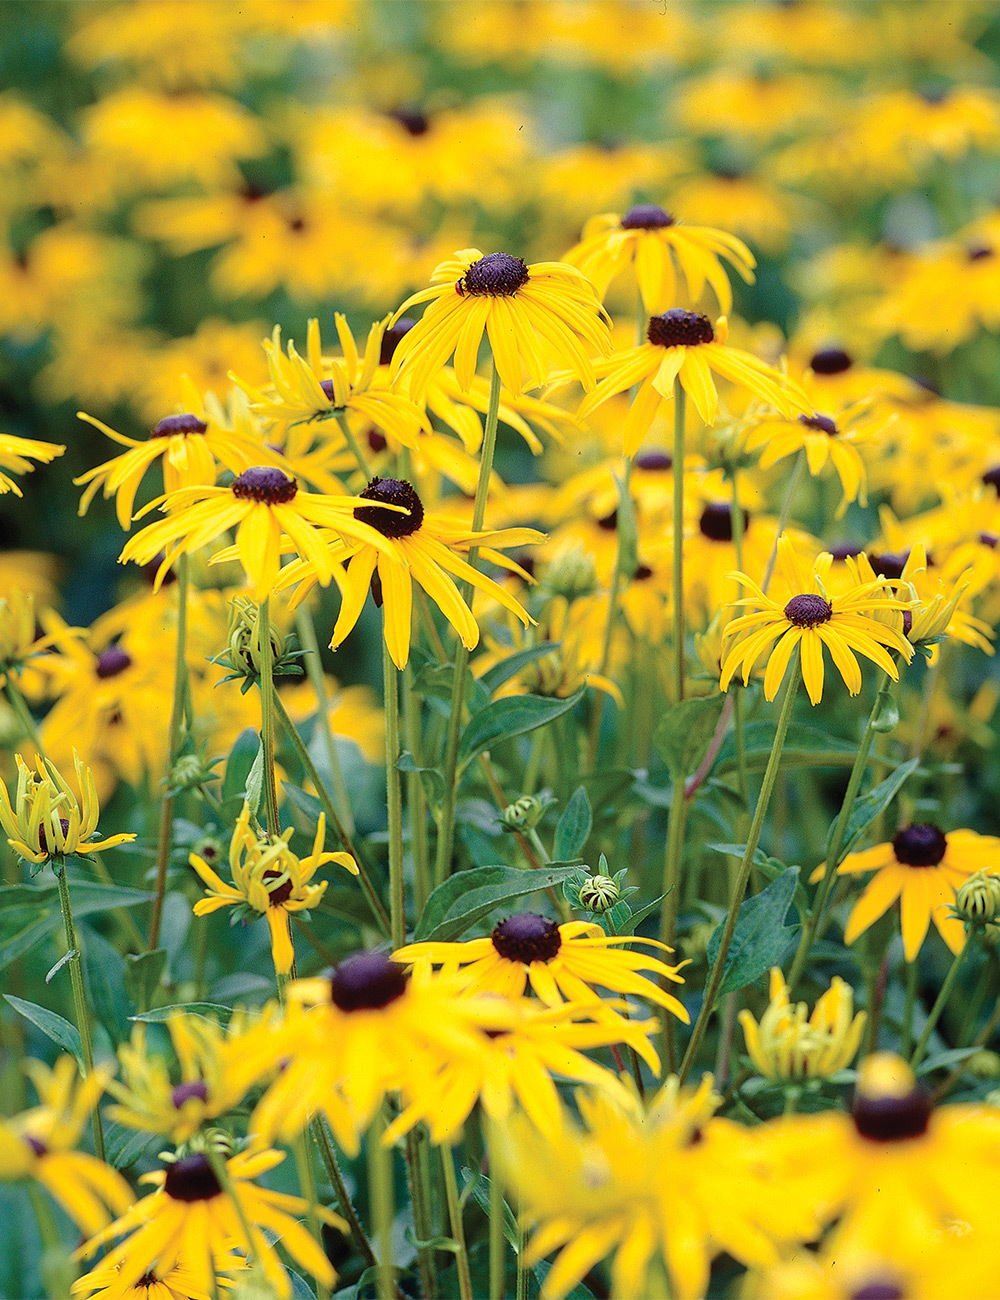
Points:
(821, 423)
(934, 92)
(608, 522)
(830, 361)
(412, 120)
(43, 843)
(992, 479)
(642, 573)
(173, 425)
(680, 329)
(527, 937)
(192, 1178)
(390, 339)
(377, 441)
(989, 539)
(391, 523)
(646, 216)
(497, 275)
(654, 460)
(265, 483)
(281, 893)
(889, 564)
(892, 1119)
(367, 981)
(979, 253)
(185, 1091)
(879, 1288)
(716, 522)
(845, 550)
(920, 845)
(112, 661)
(37, 1146)
(808, 610)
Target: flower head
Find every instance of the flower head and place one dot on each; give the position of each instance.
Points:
(269, 879)
(46, 820)
(788, 1043)
(538, 318)
(16, 454)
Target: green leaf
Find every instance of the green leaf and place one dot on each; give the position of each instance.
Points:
(684, 733)
(437, 682)
(142, 975)
(512, 716)
(207, 1010)
(254, 791)
(466, 897)
(946, 1059)
(238, 765)
(866, 809)
(761, 937)
(804, 746)
(639, 915)
(626, 530)
(29, 913)
(481, 1193)
(431, 777)
(573, 828)
(104, 977)
(502, 672)
(51, 1024)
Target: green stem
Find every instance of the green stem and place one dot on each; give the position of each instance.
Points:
(678, 541)
(786, 506)
(355, 447)
(309, 767)
(382, 1204)
(446, 826)
(939, 1005)
(909, 1006)
(416, 796)
(314, 669)
(164, 841)
(739, 888)
(455, 1225)
(671, 888)
(79, 996)
(54, 1265)
(344, 1204)
(307, 1184)
(815, 917)
(415, 1150)
(267, 699)
(614, 596)
(498, 1268)
(394, 798)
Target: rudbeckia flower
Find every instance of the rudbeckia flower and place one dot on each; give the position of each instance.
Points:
(824, 439)
(788, 1043)
(653, 241)
(922, 867)
(16, 454)
(263, 504)
(413, 546)
(686, 346)
(268, 878)
(176, 1283)
(19, 639)
(38, 1144)
(808, 621)
(47, 820)
(537, 318)
(561, 963)
(191, 1218)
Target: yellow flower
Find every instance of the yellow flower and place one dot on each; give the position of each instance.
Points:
(561, 963)
(414, 546)
(264, 505)
(270, 879)
(537, 318)
(193, 1218)
(844, 624)
(922, 867)
(16, 455)
(654, 242)
(686, 346)
(18, 632)
(39, 1144)
(47, 820)
(178, 1282)
(788, 1045)
(824, 439)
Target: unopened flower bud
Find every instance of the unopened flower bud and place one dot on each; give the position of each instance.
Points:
(977, 900)
(524, 815)
(599, 893)
(244, 645)
(189, 771)
(984, 1065)
(571, 573)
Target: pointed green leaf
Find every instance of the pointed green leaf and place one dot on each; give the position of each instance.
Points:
(466, 897)
(495, 677)
(684, 732)
(511, 716)
(574, 827)
(867, 808)
(761, 937)
(51, 1024)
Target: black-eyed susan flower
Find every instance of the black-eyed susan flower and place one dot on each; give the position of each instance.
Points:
(176, 1283)
(685, 346)
(16, 455)
(349, 1040)
(190, 449)
(47, 820)
(896, 1172)
(193, 1219)
(657, 245)
(264, 504)
(788, 1043)
(269, 880)
(19, 639)
(414, 546)
(922, 866)
(538, 318)
(664, 1187)
(808, 621)
(39, 1144)
(561, 963)
(524, 1045)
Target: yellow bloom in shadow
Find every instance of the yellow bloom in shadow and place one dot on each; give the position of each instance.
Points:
(788, 1043)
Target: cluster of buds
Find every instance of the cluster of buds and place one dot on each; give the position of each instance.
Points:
(789, 1045)
(46, 821)
(244, 655)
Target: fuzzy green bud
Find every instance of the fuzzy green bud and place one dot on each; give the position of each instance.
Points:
(571, 573)
(524, 814)
(244, 643)
(599, 894)
(977, 900)
(984, 1065)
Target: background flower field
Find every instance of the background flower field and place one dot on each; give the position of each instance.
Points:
(500, 509)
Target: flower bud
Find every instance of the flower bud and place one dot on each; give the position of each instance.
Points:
(599, 894)
(571, 573)
(977, 900)
(984, 1065)
(244, 643)
(524, 815)
(189, 771)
